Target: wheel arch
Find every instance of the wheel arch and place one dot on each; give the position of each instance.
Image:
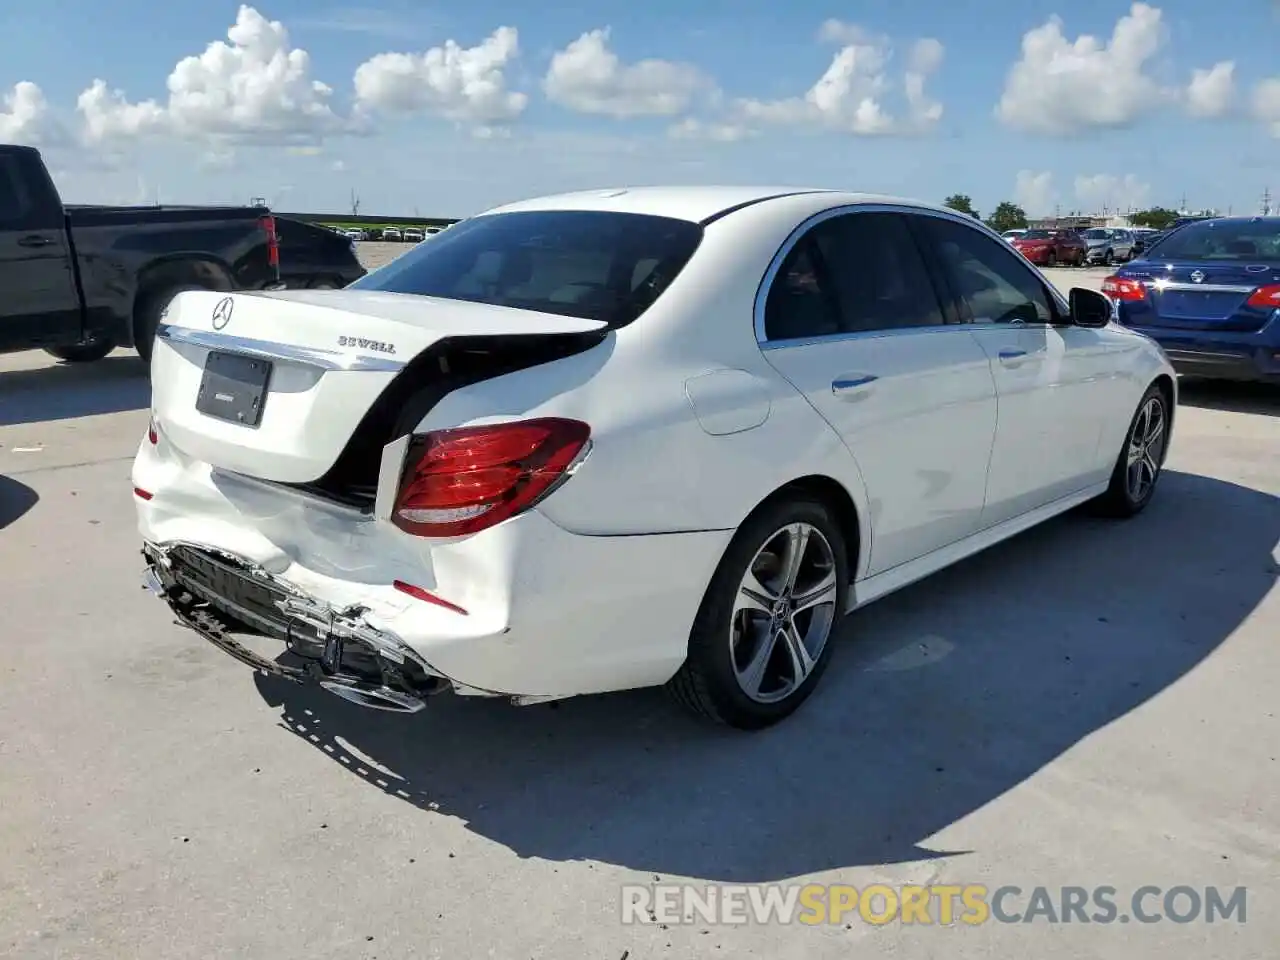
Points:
(1164, 383)
(204, 272)
(834, 495)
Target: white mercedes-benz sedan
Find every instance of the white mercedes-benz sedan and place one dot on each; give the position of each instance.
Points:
(626, 438)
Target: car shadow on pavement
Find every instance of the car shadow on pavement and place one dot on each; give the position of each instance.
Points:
(940, 699)
(1230, 397)
(15, 500)
(64, 391)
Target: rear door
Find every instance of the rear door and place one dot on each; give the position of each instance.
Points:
(853, 320)
(1056, 383)
(39, 303)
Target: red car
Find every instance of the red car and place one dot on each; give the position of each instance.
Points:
(1049, 248)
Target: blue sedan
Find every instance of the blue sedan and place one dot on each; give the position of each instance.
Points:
(1209, 294)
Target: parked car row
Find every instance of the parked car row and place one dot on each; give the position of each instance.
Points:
(388, 234)
(1070, 247)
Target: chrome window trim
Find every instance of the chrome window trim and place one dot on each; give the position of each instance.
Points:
(271, 350)
(798, 233)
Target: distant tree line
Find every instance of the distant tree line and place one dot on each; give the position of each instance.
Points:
(1009, 216)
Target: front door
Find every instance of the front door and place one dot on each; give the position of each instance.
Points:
(854, 321)
(38, 299)
(1052, 379)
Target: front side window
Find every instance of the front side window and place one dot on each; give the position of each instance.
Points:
(991, 282)
(592, 264)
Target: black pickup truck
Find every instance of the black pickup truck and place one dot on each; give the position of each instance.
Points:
(78, 281)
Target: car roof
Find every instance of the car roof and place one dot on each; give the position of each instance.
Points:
(698, 204)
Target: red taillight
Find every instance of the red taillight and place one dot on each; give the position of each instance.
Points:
(141, 494)
(1122, 288)
(1268, 297)
(268, 224)
(153, 432)
(467, 479)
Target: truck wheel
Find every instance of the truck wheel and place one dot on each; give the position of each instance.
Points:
(146, 317)
(87, 351)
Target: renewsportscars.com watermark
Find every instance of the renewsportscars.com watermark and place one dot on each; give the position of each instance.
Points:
(939, 905)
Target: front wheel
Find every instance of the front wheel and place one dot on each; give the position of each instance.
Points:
(1138, 468)
(762, 637)
(1051, 260)
(87, 351)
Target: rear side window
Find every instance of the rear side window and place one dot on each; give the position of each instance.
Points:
(855, 273)
(1229, 240)
(877, 274)
(597, 265)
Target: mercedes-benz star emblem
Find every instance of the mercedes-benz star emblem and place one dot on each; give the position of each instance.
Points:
(222, 313)
(1196, 277)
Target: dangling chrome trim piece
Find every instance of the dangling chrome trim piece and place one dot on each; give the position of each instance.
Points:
(271, 350)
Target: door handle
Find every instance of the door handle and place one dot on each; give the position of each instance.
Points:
(35, 240)
(848, 385)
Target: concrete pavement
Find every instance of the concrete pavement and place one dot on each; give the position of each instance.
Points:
(1090, 704)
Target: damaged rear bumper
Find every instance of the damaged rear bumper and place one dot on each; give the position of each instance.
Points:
(216, 594)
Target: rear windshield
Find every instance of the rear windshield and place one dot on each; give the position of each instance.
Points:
(1222, 240)
(591, 264)
(1096, 234)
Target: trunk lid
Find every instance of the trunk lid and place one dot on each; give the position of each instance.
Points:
(1203, 295)
(293, 372)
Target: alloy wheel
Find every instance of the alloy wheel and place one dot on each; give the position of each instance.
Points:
(1146, 449)
(784, 613)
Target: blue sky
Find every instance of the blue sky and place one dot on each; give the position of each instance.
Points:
(747, 65)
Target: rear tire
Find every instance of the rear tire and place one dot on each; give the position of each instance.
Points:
(762, 638)
(1141, 460)
(87, 351)
(324, 283)
(147, 317)
(1051, 260)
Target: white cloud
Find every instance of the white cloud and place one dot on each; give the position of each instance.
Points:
(926, 58)
(107, 115)
(851, 96)
(464, 84)
(1060, 86)
(588, 77)
(1034, 192)
(25, 117)
(1266, 104)
(690, 128)
(1211, 91)
(838, 31)
(254, 89)
(1104, 191)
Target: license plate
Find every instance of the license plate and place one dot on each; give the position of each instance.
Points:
(234, 387)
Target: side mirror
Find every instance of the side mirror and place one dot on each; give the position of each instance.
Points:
(1089, 308)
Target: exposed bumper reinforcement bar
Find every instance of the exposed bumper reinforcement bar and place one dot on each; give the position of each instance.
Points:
(200, 609)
